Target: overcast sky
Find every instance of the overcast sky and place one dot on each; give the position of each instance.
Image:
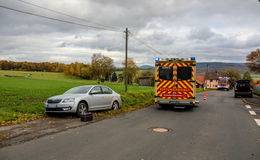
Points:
(211, 31)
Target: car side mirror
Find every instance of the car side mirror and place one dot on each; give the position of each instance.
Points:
(94, 92)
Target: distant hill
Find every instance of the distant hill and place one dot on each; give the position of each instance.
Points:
(146, 67)
(212, 66)
(220, 67)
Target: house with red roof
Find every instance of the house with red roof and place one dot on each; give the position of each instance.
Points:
(211, 80)
(200, 80)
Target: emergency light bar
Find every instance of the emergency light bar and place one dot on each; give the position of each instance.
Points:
(175, 59)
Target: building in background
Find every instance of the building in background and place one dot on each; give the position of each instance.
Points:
(200, 80)
(146, 81)
(211, 80)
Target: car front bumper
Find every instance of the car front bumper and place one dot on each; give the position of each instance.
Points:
(243, 93)
(61, 107)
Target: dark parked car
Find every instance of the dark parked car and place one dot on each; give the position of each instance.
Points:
(243, 88)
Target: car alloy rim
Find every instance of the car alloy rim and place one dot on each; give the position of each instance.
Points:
(82, 108)
(115, 106)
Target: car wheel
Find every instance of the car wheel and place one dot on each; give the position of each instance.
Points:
(82, 108)
(115, 105)
(49, 114)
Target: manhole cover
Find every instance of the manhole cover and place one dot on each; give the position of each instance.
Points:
(160, 129)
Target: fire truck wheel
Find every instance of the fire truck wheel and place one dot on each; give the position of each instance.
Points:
(162, 106)
(190, 107)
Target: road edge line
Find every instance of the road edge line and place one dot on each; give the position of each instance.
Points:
(252, 113)
(257, 121)
(248, 106)
(246, 102)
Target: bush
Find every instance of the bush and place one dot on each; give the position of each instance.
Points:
(137, 98)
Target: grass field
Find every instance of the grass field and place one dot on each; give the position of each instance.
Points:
(43, 76)
(22, 99)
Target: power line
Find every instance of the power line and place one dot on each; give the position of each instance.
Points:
(145, 44)
(64, 14)
(56, 19)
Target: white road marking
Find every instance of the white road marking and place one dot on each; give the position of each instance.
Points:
(257, 121)
(248, 106)
(252, 113)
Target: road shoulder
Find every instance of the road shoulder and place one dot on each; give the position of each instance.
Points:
(27, 131)
(255, 101)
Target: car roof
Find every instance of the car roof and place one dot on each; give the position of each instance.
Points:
(93, 86)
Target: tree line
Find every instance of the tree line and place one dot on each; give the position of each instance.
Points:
(32, 66)
(101, 68)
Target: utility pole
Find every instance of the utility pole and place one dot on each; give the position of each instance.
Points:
(126, 47)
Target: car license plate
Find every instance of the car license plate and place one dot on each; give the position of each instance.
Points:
(51, 105)
(173, 101)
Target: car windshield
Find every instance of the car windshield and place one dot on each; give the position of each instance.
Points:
(78, 90)
(223, 80)
(243, 85)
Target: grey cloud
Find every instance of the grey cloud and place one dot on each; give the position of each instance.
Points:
(108, 41)
(64, 44)
(160, 38)
(201, 34)
(253, 41)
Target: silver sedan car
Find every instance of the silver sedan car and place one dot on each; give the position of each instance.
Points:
(84, 98)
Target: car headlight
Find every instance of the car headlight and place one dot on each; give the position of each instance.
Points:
(66, 100)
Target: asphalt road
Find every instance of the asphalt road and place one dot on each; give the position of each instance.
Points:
(220, 129)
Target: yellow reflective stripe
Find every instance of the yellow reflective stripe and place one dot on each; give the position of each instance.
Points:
(162, 84)
(165, 64)
(191, 87)
(184, 64)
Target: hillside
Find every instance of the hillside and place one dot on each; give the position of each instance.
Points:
(219, 66)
